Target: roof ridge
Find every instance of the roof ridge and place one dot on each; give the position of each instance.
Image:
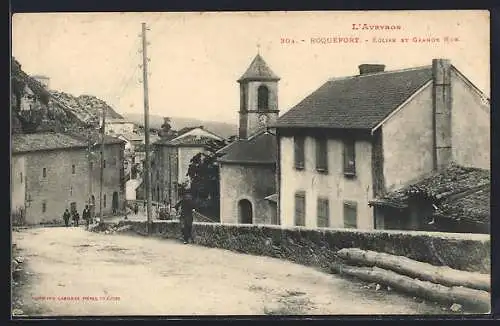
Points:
(379, 73)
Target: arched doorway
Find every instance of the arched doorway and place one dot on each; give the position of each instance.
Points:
(245, 211)
(115, 202)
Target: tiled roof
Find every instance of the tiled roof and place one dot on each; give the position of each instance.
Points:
(49, 141)
(258, 70)
(358, 102)
(187, 129)
(458, 193)
(185, 141)
(260, 148)
(131, 136)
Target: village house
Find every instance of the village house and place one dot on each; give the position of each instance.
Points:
(53, 171)
(171, 159)
(119, 127)
(358, 138)
(247, 167)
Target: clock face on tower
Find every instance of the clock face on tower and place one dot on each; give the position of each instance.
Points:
(263, 119)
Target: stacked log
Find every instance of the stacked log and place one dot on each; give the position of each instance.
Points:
(438, 283)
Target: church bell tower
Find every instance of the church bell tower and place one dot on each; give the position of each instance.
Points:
(258, 98)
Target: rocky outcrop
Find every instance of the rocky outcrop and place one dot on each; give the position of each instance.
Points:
(35, 109)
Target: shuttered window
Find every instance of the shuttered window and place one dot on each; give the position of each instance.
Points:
(323, 213)
(321, 155)
(298, 142)
(350, 215)
(300, 209)
(73, 169)
(44, 206)
(349, 158)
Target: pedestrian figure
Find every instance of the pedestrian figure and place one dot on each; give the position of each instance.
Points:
(76, 218)
(136, 209)
(86, 215)
(66, 217)
(186, 206)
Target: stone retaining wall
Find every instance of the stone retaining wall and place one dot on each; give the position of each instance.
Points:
(317, 247)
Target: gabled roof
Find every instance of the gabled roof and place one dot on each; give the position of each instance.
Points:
(131, 136)
(22, 143)
(259, 70)
(258, 149)
(460, 193)
(186, 130)
(358, 102)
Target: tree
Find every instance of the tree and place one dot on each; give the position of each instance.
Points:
(203, 173)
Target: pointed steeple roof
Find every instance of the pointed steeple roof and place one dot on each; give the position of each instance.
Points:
(259, 70)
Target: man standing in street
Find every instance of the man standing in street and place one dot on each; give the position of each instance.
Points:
(76, 218)
(66, 217)
(186, 205)
(86, 215)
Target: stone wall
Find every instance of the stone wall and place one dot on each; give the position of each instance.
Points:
(317, 247)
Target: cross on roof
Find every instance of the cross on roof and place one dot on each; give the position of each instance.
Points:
(258, 48)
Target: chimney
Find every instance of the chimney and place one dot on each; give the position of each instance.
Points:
(441, 105)
(369, 68)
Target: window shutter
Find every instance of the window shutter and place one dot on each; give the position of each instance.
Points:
(321, 154)
(299, 152)
(350, 215)
(323, 212)
(300, 203)
(349, 157)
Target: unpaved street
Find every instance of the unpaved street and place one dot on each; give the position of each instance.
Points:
(133, 275)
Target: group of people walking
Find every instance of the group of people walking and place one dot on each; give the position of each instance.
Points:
(76, 217)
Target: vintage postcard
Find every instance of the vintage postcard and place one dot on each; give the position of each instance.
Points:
(250, 163)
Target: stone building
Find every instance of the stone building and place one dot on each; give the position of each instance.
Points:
(171, 158)
(357, 138)
(248, 165)
(53, 171)
(455, 199)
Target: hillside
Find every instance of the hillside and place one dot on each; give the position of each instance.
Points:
(36, 109)
(220, 128)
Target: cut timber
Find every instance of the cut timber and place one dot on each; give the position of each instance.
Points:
(471, 298)
(406, 266)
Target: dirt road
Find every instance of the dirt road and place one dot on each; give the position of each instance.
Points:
(75, 272)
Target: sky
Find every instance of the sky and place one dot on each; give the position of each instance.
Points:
(195, 59)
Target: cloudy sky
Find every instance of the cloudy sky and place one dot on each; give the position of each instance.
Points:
(196, 58)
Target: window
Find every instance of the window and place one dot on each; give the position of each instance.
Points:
(321, 155)
(44, 172)
(349, 158)
(73, 169)
(323, 213)
(350, 215)
(91, 165)
(21, 176)
(299, 152)
(104, 163)
(263, 98)
(300, 209)
(104, 200)
(44, 206)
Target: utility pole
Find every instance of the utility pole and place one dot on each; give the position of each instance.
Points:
(102, 160)
(147, 170)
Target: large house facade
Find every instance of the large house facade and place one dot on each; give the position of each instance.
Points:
(247, 167)
(52, 171)
(357, 138)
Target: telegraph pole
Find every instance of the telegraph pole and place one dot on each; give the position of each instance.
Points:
(147, 170)
(102, 161)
